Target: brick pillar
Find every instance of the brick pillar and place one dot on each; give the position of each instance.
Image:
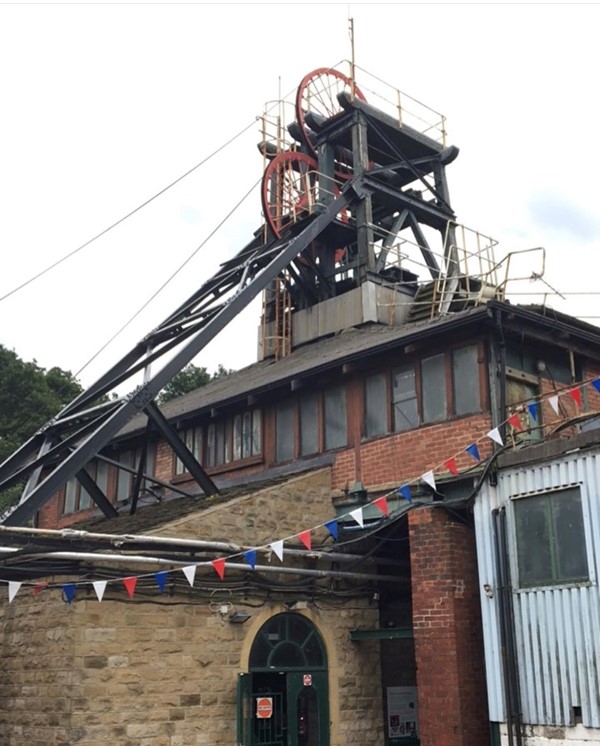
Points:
(447, 631)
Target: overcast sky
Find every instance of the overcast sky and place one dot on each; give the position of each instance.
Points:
(104, 105)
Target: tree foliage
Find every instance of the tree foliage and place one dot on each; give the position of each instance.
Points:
(189, 379)
(29, 397)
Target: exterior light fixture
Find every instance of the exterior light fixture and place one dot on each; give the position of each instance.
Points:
(238, 617)
(358, 492)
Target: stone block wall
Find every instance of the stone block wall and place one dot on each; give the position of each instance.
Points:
(160, 670)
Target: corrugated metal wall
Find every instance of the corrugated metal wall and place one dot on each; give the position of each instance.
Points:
(557, 629)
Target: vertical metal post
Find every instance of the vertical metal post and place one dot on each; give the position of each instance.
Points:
(364, 210)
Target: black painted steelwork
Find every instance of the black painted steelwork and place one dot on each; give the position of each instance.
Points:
(333, 235)
(65, 445)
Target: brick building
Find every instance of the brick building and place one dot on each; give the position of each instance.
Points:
(346, 460)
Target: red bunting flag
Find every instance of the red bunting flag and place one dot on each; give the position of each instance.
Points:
(576, 396)
(304, 537)
(38, 588)
(130, 584)
(515, 421)
(450, 464)
(382, 504)
(219, 565)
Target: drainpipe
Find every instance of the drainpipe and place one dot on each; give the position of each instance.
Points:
(512, 694)
(501, 375)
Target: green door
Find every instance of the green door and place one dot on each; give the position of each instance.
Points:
(283, 700)
(308, 709)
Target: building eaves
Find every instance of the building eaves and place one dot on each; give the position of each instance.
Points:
(325, 355)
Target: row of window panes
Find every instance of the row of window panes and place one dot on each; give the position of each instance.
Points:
(298, 424)
(429, 377)
(234, 439)
(78, 498)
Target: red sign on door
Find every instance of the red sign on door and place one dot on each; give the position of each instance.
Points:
(264, 707)
(307, 678)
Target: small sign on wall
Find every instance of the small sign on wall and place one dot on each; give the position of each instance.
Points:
(402, 712)
(264, 707)
(307, 679)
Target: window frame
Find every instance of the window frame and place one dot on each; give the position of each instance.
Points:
(416, 365)
(215, 442)
(524, 586)
(295, 404)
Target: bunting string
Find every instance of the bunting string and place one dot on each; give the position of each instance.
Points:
(530, 409)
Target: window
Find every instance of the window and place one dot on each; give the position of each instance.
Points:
(550, 538)
(126, 477)
(433, 385)
(336, 424)
(234, 439)
(309, 424)
(312, 423)
(193, 441)
(404, 398)
(521, 388)
(285, 431)
(465, 380)
(76, 497)
(376, 405)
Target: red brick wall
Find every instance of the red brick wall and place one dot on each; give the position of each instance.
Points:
(402, 457)
(447, 631)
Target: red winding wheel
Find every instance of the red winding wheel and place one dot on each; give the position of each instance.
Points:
(288, 189)
(318, 94)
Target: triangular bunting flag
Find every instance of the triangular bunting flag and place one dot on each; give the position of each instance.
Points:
(277, 547)
(190, 573)
(305, 538)
(13, 589)
(382, 504)
(38, 588)
(130, 584)
(404, 492)
(532, 408)
(250, 557)
(99, 587)
(332, 527)
(473, 451)
(494, 434)
(358, 516)
(450, 464)
(575, 394)
(553, 401)
(515, 421)
(219, 565)
(161, 579)
(596, 384)
(69, 591)
(429, 479)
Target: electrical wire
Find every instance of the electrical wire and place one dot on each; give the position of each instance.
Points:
(128, 215)
(169, 279)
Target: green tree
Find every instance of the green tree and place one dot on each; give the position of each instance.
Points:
(189, 379)
(29, 397)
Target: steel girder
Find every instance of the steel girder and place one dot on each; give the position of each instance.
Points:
(66, 444)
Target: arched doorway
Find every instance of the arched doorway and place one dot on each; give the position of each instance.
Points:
(283, 699)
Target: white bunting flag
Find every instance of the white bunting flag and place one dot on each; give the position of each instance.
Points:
(277, 547)
(190, 573)
(553, 400)
(358, 516)
(495, 436)
(13, 589)
(99, 587)
(429, 479)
